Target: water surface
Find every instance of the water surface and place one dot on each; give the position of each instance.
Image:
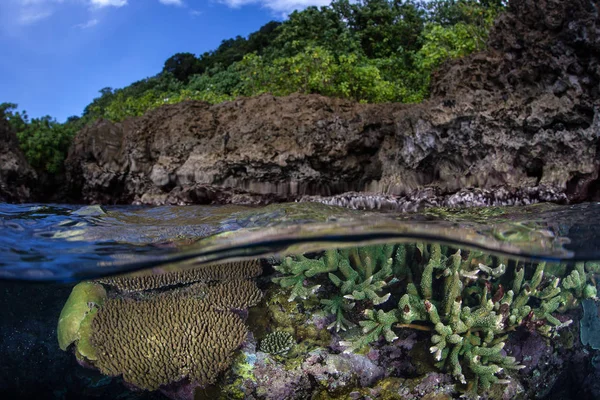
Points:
(60, 242)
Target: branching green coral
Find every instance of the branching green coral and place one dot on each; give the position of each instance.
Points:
(360, 274)
(297, 270)
(337, 306)
(378, 323)
(468, 300)
(277, 343)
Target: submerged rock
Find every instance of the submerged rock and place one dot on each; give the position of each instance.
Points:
(521, 115)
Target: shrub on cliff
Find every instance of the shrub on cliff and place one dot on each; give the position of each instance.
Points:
(44, 141)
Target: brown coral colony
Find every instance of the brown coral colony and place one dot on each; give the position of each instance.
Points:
(165, 340)
(211, 272)
(189, 332)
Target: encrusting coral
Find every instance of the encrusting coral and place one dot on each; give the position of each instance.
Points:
(187, 330)
(469, 302)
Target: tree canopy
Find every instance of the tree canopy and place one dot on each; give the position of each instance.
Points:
(365, 50)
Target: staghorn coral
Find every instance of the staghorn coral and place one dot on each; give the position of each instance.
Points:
(469, 301)
(164, 340)
(210, 272)
(358, 273)
(277, 343)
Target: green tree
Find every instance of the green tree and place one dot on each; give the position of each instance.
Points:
(182, 66)
(234, 50)
(367, 50)
(383, 27)
(323, 27)
(17, 120)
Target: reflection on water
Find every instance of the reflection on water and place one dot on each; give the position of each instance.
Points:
(65, 243)
(440, 305)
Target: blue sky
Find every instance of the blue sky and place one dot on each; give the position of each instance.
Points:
(55, 55)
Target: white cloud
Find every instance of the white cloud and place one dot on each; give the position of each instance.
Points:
(172, 2)
(278, 6)
(37, 2)
(88, 24)
(195, 13)
(108, 3)
(30, 16)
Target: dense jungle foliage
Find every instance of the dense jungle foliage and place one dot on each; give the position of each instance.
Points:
(365, 50)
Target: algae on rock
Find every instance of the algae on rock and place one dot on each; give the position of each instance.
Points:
(84, 297)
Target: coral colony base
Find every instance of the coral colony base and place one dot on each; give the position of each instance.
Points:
(325, 317)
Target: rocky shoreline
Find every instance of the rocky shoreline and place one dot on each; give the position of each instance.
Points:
(515, 124)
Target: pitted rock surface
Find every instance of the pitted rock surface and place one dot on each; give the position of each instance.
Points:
(16, 176)
(523, 114)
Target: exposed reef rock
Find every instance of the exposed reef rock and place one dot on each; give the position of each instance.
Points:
(434, 197)
(521, 115)
(16, 176)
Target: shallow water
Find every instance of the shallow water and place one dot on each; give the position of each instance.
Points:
(58, 242)
(46, 249)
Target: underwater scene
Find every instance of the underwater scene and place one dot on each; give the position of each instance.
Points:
(299, 301)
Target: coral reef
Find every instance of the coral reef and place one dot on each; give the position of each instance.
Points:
(161, 341)
(277, 343)
(174, 331)
(357, 273)
(143, 281)
(468, 302)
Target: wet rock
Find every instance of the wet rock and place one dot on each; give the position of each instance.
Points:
(337, 372)
(521, 115)
(206, 194)
(436, 197)
(16, 176)
(274, 382)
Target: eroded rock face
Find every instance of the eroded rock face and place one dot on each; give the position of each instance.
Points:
(280, 146)
(525, 113)
(16, 176)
